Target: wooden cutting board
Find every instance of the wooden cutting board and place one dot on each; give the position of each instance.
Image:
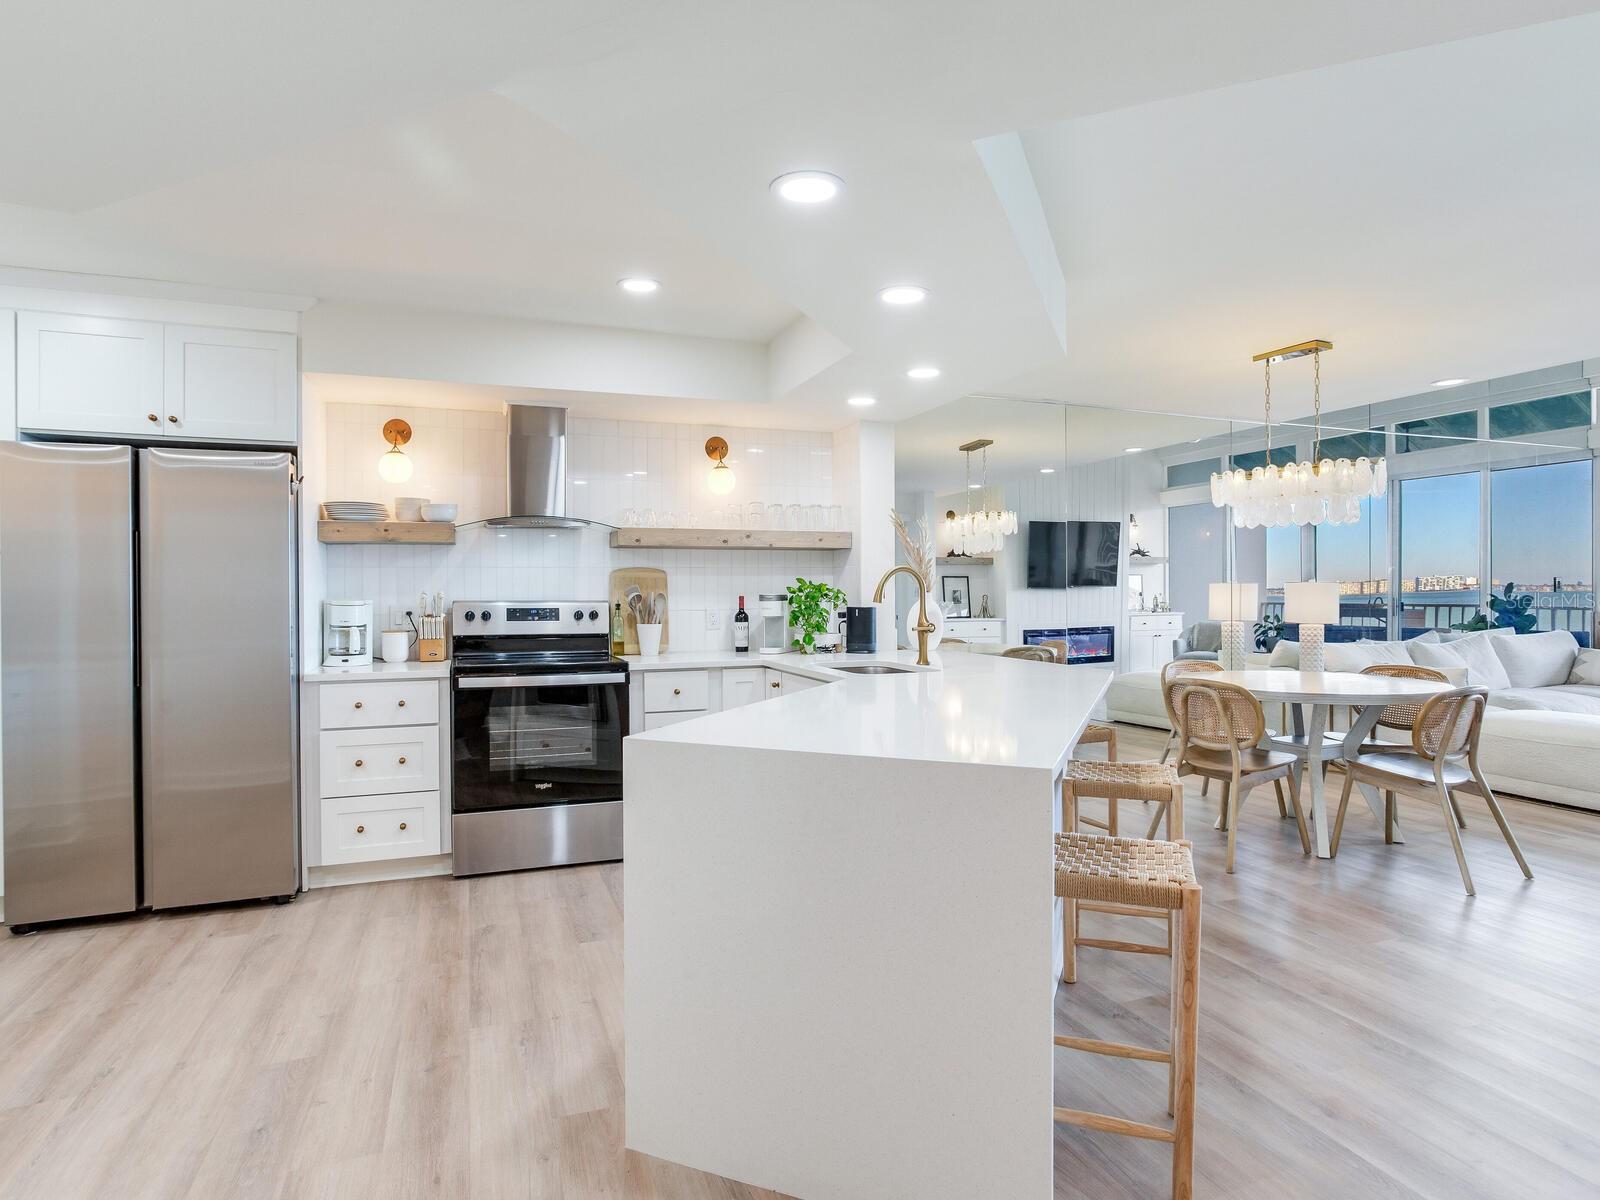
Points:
(648, 580)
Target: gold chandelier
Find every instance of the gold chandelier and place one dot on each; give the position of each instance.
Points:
(984, 531)
(1316, 491)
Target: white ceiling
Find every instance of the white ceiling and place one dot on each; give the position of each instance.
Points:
(503, 157)
(1428, 212)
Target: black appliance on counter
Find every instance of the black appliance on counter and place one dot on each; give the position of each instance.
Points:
(540, 709)
(860, 629)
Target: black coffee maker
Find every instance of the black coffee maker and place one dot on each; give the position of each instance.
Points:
(861, 629)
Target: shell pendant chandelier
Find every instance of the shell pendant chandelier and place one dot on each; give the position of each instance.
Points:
(984, 531)
(1314, 492)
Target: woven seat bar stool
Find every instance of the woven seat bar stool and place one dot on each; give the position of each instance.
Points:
(1116, 873)
(1087, 779)
(1099, 735)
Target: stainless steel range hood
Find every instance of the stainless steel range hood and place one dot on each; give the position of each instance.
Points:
(536, 470)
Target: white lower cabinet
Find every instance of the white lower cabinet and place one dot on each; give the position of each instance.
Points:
(372, 768)
(980, 631)
(370, 828)
(1150, 637)
(743, 685)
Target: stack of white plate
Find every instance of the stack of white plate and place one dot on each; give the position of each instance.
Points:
(354, 510)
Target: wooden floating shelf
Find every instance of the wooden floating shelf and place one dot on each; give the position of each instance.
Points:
(394, 533)
(730, 539)
(966, 560)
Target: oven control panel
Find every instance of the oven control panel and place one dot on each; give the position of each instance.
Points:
(488, 617)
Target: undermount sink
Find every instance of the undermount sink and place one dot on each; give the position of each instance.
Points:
(874, 669)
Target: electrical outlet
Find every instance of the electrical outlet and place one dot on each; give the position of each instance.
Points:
(397, 619)
(713, 618)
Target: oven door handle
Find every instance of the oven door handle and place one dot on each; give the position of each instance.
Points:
(498, 681)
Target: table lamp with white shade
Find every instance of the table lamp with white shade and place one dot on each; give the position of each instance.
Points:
(1311, 606)
(1234, 604)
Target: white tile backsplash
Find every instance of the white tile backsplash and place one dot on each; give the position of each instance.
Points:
(460, 457)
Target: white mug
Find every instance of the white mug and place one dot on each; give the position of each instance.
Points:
(396, 645)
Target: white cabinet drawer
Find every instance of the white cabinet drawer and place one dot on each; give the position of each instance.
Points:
(661, 720)
(391, 702)
(368, 828)
(1155, 623)
(675, 691)
(368, 762)
(976, 629)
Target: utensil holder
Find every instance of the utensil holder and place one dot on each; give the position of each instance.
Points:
(649, 640)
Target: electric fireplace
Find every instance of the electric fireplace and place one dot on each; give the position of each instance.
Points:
(1085, 643)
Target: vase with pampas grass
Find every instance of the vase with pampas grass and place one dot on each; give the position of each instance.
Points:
(920, 557)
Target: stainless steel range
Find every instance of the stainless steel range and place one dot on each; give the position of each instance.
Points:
(540, 709)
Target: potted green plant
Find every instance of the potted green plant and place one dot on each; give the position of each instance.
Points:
(1268, 630)
(1510, 612)
(811, 608)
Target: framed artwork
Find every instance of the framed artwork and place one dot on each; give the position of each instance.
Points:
(955, 595)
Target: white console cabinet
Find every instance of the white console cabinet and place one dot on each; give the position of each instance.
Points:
(1150, 638)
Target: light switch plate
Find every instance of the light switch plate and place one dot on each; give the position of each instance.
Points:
(713, 618)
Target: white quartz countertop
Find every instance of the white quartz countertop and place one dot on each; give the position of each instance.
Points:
(967, 708)
(378, 670)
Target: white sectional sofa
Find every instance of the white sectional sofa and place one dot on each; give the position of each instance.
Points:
(1541, 733)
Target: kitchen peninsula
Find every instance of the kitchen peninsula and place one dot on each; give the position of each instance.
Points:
(840, 923)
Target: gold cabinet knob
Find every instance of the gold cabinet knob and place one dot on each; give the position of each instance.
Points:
(153, 417)
(775, 683)
(172, 418)
(402, 704)
(677, 691)
(358, 704)
(402, 824)
(402, 760)
(358, 762)
(361, 828)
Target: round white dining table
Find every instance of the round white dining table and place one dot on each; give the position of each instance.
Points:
(1312, 696)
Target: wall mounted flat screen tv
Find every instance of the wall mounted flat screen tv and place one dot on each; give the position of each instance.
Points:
(1065, 554)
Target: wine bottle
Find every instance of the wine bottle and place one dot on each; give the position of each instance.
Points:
(741, 629)
(616, 630)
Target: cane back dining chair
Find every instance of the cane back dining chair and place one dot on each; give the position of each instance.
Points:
(1220, 727)
(1402, 719)
(1442, 761)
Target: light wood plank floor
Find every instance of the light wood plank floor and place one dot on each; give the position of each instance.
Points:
(1365, 1031)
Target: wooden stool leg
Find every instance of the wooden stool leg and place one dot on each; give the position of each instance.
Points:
(1111, 747)
(1069, 941)
(1111, 816)
(1186, 1024)
(1175, 814)
(1069, 807)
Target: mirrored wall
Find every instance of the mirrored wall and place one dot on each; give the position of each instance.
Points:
(1488, 487)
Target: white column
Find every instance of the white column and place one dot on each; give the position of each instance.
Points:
(863, 482)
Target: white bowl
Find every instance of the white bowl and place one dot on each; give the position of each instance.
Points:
(439, 512)
(409, 508)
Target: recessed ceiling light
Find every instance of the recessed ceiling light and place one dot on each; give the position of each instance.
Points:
(1132, 449)
(903, 293)
(1449, 382)
(923, 373)
(1047, 470)
(639, 285)
(580, 483)
(755, 449)
(861, 401)
(807, 187)
(974, 487)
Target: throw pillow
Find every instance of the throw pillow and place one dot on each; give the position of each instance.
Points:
(1586, 669)
(1431, 638)
(1537, 659)
(1354, 656)
(1286, 654)
(1484, 668)
(1441, 656)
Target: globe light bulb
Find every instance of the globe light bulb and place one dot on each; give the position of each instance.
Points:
(394, 466)
(720, 480)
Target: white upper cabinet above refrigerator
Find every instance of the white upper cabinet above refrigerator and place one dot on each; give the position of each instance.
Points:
(115, 377)
(234, 385)
(79, 374)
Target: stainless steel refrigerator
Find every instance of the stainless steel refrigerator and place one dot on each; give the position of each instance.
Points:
(147, 678)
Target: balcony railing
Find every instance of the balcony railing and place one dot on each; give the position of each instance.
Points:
(1426, 614)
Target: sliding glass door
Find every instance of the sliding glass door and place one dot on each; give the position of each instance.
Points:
(1440, 550)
